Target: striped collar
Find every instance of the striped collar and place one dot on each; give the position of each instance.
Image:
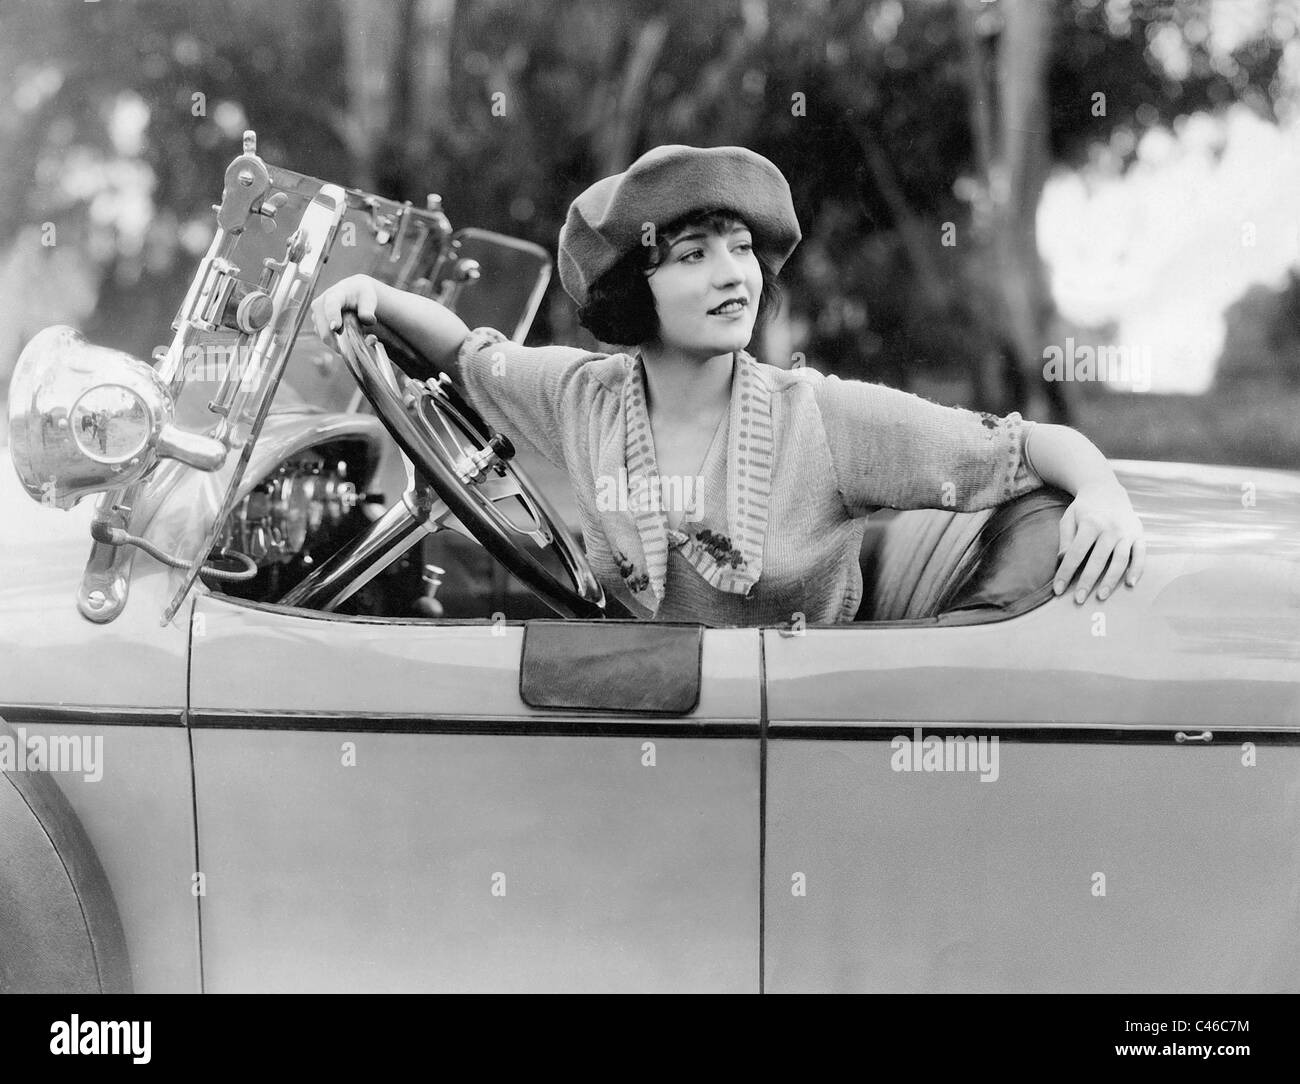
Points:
(641, 538)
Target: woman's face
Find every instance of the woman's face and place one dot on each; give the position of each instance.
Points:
(707, 287)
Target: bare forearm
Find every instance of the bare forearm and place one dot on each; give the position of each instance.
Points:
(434, 330)
(1065, 458)
(1101, 535)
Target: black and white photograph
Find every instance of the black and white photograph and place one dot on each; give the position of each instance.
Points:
(680, 496)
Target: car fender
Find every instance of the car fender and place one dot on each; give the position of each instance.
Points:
(60, 929)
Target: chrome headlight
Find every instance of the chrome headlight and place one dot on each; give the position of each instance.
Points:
(84, 419)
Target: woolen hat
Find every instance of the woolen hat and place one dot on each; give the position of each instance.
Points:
(609, 219)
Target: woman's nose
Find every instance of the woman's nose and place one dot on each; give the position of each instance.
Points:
(726, 270)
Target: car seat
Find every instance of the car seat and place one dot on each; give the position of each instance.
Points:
(926, 563)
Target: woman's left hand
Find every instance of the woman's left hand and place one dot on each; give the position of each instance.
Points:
(1100, 519)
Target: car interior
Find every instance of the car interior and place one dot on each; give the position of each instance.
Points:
(929, 565)
(959, 567)
(935, 566)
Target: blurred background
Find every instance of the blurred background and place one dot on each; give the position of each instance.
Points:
(986, 187)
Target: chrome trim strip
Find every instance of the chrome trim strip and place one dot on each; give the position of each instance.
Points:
(1072, 733)
(85, 713)
(566, 725)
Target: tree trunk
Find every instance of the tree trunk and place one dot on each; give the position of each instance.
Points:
(917, 238)
(620, 135)
(992, 371)
(371, 48)
(1024, 162)
(1012, 157)
(426, 117)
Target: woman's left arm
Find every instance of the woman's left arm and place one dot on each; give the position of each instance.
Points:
(1100, 519)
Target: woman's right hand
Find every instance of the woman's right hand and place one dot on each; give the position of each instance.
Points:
(356, 293)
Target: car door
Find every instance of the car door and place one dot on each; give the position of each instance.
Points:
(1135, 826)
(378, 809)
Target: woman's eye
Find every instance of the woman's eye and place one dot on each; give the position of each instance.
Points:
(692, 253)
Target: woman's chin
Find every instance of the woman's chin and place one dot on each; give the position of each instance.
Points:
(719, 341)
(733, 340)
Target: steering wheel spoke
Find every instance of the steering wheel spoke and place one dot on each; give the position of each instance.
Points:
(499, 488)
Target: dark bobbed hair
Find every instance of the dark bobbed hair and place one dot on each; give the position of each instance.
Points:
(620, 308)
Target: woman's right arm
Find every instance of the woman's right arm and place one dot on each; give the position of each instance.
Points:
(533, 392)
(432, 329)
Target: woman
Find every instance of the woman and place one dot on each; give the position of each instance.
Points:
(710, 487)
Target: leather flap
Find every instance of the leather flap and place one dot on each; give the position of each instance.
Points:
(616, 666)
(1016, 554)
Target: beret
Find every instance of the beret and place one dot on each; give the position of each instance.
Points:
(607, 221)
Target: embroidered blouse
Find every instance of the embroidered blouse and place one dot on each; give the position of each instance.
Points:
(774, 523)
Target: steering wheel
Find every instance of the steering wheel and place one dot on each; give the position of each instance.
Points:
(470, 469)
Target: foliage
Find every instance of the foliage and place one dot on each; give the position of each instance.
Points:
(531, 101)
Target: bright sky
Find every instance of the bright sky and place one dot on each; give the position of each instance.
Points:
(1208, 209)
(1165, 248)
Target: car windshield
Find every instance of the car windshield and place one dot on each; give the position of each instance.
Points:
(232, 380)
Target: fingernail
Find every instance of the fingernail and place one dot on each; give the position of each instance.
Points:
(1079, 596)
(1131, 581)
(1101, 595)
(1058, 587)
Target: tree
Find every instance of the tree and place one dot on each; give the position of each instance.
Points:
(901, 126)
(1007, 101)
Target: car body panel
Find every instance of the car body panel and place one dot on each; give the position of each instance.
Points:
(49, 654)
(1210, 634)
(428, 669)
(1118, 663)
(379, 874)
(472, 862)
(126, 683)
(139, 817)
(942, 882)
(1153, 739)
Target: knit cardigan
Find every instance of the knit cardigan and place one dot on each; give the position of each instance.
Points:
(776, 517)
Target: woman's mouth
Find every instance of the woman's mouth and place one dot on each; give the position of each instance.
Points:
(733, 307)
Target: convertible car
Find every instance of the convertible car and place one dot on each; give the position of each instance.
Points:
(319, 694)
